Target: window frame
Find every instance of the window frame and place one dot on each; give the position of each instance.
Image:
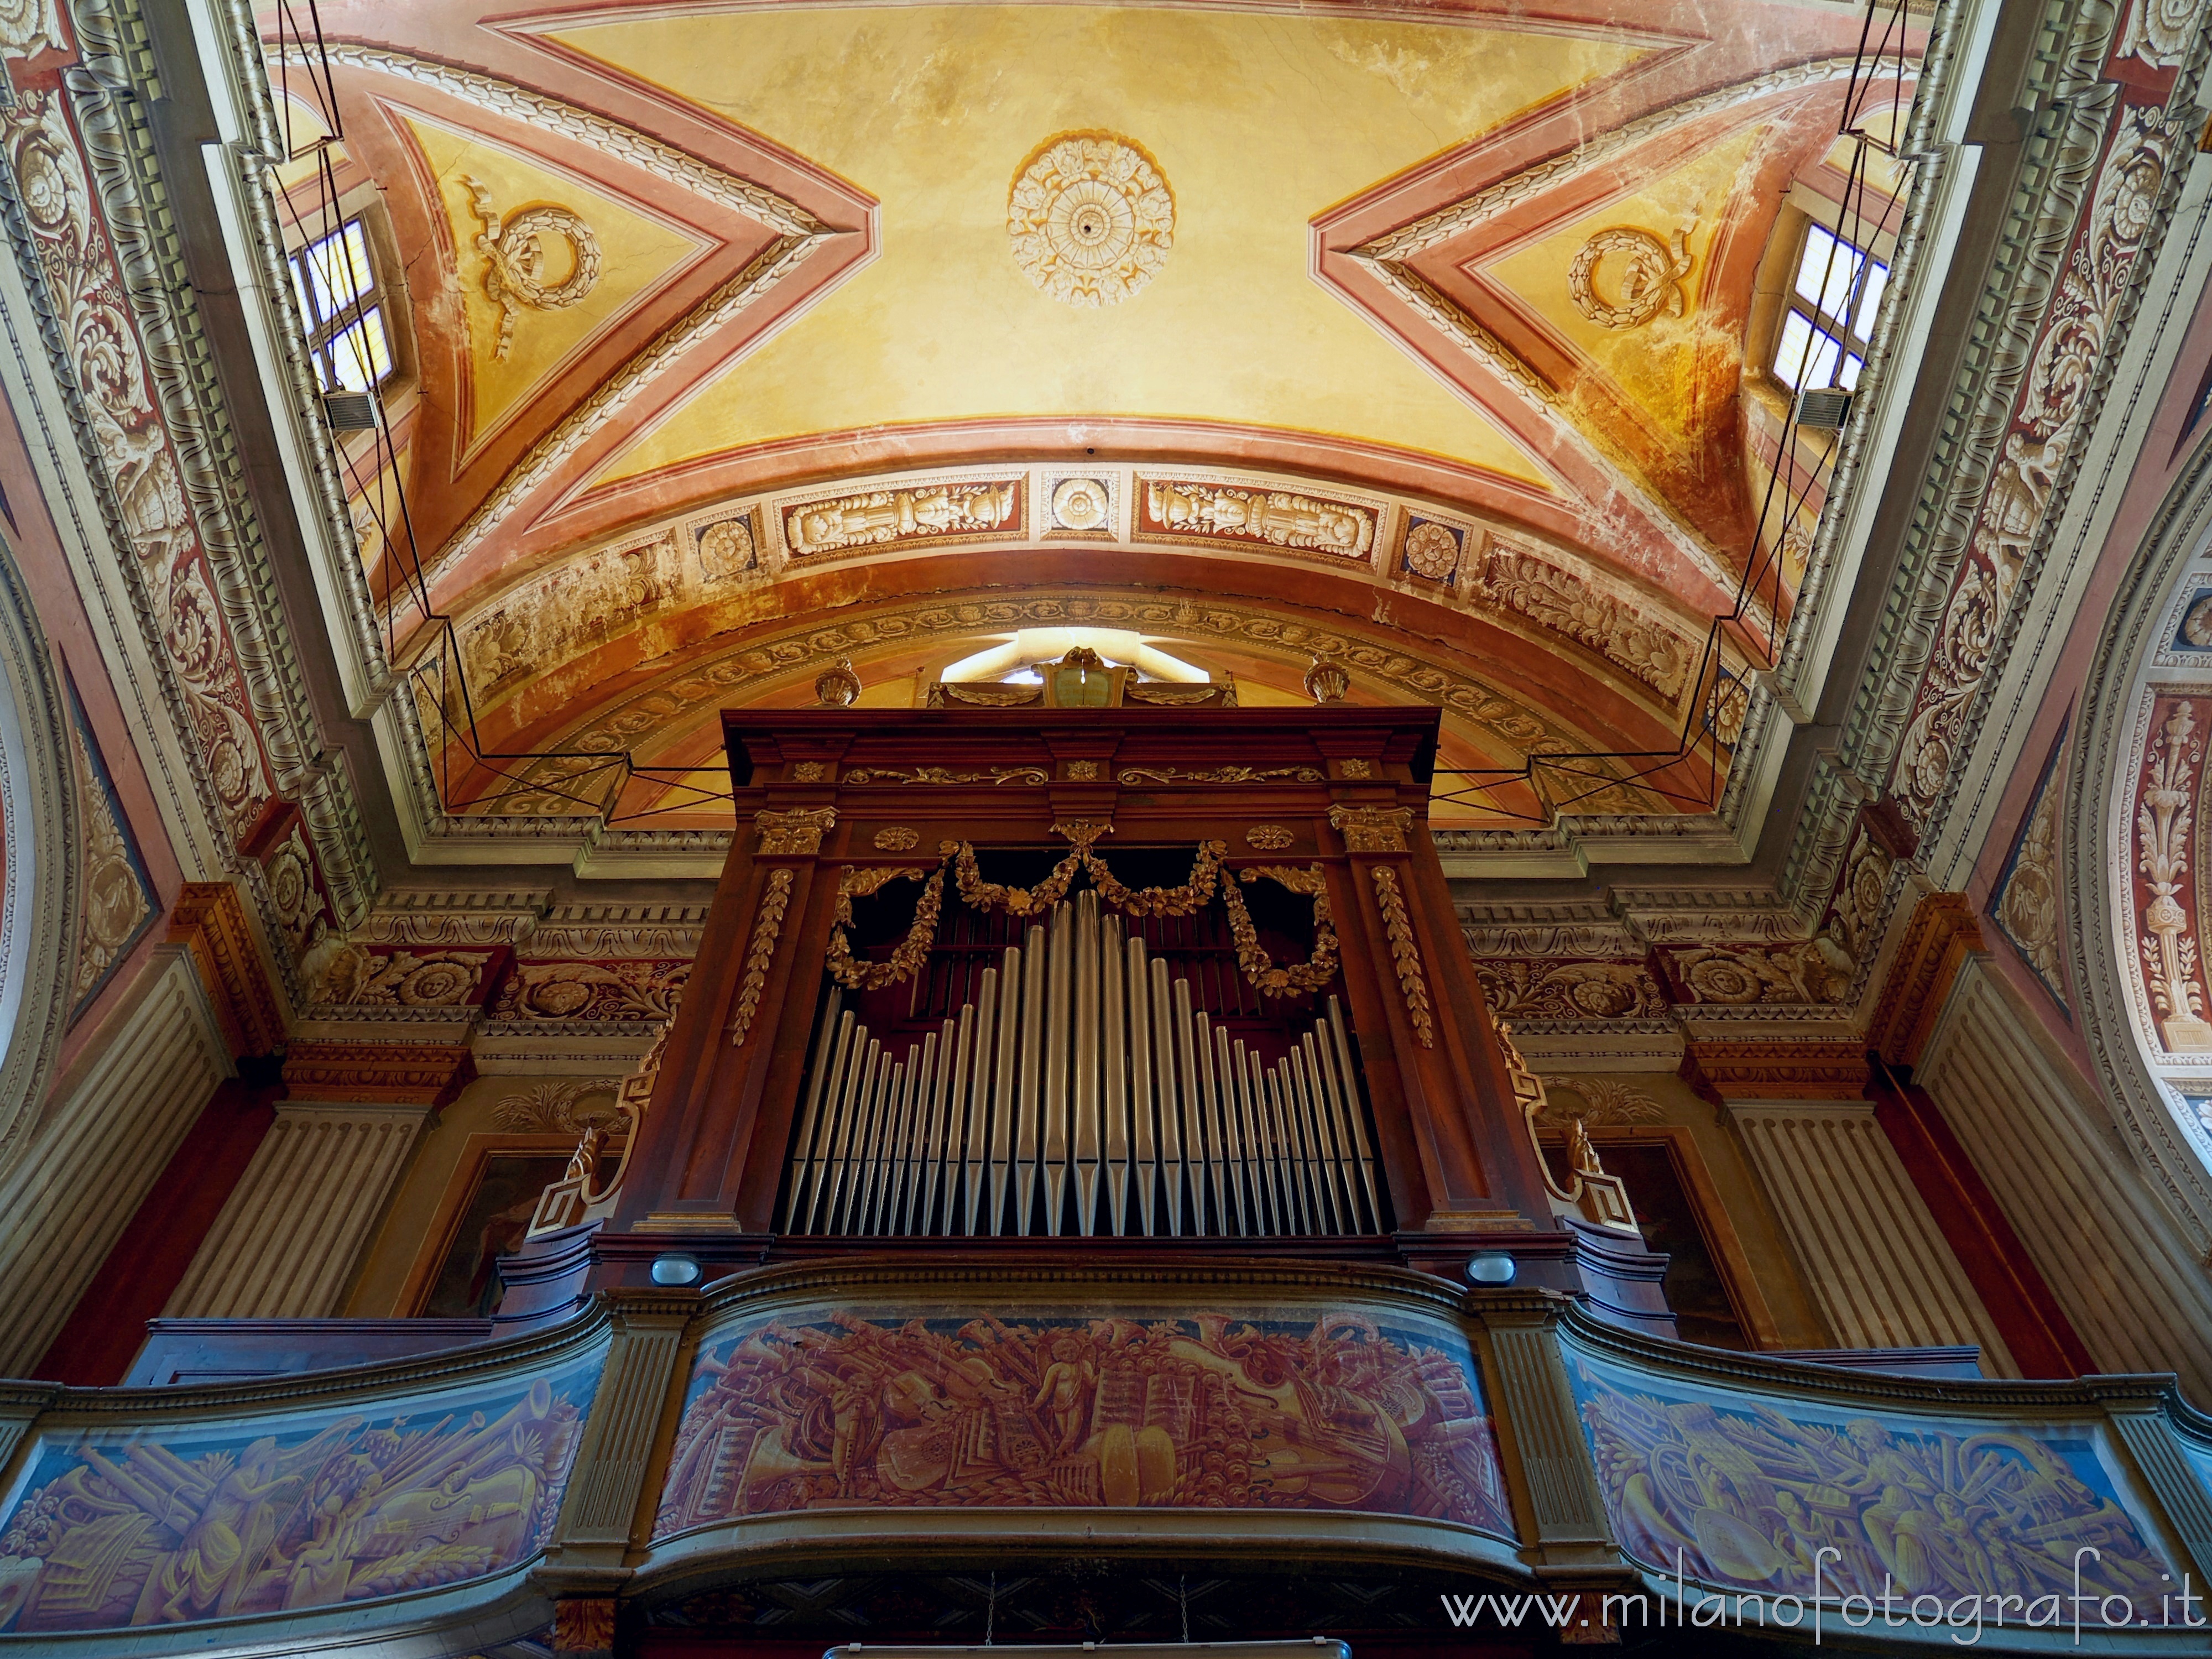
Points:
(1823, 324)
(378, 295)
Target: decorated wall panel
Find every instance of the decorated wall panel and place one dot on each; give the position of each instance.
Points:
(1124, 1406)
(1739, 1487)
(132, 1525)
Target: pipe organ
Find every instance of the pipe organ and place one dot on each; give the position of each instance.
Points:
(1082, 1092)
(1284, 1052)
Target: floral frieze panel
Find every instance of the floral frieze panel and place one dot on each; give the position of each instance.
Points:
(2163, 912)
(1136, 1408)
(148, 1526)
(567, 990)
(1521, 989)
(1745, 1491)
(2070, 357)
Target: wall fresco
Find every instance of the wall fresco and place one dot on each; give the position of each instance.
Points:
(1748, 1496)
(213, 1520)
(1199, 1411)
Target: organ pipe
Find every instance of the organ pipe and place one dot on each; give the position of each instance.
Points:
(1081, 1091)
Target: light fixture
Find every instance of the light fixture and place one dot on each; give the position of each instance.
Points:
(676, 1269)
(1490, 1267)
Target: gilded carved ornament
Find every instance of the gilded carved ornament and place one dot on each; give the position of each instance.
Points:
(1405, 953)
(768, 928)
(797, 831)
(1372, 828)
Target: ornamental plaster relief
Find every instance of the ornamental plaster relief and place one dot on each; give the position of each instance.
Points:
(116, 900)
(796, 654)
(712, 556)
(2071, 358)
(65, 241)
(2026, 903)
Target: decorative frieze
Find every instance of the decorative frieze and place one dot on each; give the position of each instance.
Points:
(876, 518)
(2165, 814)
(1179, 509)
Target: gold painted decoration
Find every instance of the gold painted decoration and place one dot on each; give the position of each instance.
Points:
(945, 775)
(897, 838)
(787, 835)
(1269, 837)
(984, 696)
(1649, 277)
(1405, 953)
(1300, 977)
(1222, 775)
(1090, 218)
(1372, 828)
(517, 263)
(768, 928)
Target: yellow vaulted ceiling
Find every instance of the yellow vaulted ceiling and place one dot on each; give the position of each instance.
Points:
(1656, 364)
(1258, 121)
(639, 251)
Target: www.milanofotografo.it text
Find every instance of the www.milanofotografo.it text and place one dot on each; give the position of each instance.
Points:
(1962, 1618)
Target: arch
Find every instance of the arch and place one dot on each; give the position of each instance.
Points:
(2103, 854)
(38, 879)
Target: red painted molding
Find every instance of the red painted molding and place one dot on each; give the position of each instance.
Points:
(142, 1272)
(2042, 1338)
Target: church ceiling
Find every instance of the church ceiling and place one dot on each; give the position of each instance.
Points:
(1423, 329)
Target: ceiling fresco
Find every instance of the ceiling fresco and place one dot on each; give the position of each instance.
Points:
(1415, 332)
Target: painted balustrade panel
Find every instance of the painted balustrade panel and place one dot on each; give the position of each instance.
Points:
(1740, 1489)
(1128, 1406)
(167, 1521)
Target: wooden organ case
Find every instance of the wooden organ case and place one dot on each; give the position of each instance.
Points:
(1083, 980)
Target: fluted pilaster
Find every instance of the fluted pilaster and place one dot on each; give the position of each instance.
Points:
(288, 1242)
(1879, 1268)
(112, 1128)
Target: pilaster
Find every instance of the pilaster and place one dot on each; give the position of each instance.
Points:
(286, 1242)
(1879, 1268)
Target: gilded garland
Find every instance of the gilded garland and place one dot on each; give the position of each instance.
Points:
(857, 976)
(768, 926)
(1405, 954)
(1196, 891)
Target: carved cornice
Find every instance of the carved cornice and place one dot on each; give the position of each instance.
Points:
(1943, 931)
(370, 1074)
(1811, 1068)
(211, 920)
